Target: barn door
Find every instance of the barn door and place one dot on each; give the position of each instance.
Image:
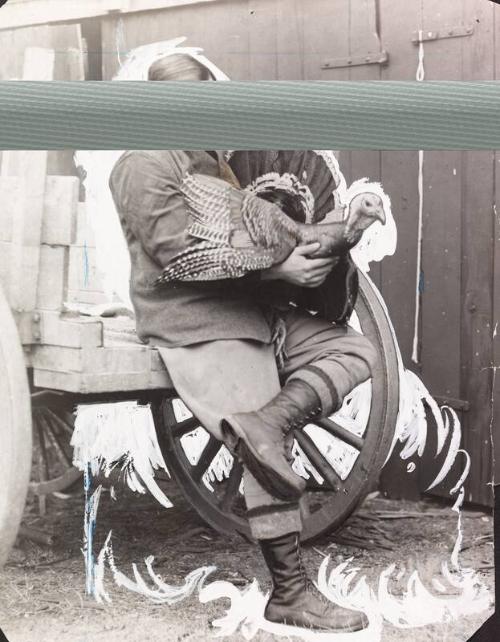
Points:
(454, 327)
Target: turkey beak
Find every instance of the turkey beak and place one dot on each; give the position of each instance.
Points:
(380, 215)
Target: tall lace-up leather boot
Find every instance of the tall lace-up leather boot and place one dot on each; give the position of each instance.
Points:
(294, 599)
(258, 438)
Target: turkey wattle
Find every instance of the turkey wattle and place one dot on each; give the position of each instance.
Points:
(234, 232)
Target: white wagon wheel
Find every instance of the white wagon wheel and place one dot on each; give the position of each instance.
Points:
(15, 430)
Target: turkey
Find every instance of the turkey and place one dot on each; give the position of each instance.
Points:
(235, 232)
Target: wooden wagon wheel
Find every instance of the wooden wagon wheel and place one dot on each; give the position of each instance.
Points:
(211, 480)
(53, 422)
(15, 430)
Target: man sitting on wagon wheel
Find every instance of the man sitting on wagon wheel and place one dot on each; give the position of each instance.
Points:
(216, 340)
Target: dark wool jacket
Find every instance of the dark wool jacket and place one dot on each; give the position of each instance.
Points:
(145, 189)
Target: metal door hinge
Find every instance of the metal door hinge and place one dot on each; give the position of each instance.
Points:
(451, 32)
(379, 58)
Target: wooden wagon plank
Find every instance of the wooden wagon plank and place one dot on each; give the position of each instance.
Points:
(84, 236)
(78, 382)
(26, 231)
(52, 277)
(87, 297)
(60, 210)
(123, 383)
(92, 361)
(57, 358)
(116, 360)
(83, 272)
(55, 380)
(60, 205)
(4, 265)
(31, 168)
(10, 197)
(70, 333)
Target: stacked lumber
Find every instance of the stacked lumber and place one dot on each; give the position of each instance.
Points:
(47, 263)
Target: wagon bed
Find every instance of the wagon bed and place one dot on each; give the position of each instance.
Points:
(85, 355)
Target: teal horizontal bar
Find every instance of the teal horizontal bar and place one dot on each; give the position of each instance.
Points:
(250, 115)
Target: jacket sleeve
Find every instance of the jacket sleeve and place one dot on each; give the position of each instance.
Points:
(147, 194)
(148, 197)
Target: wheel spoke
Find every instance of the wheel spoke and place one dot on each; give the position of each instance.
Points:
(317, 460)
(54, 439)
(67, 427)
(43, 461)
(206, 458)
(341, 433)
(183, 427)
(43, 467)
(314, 486)
(56, 485)
(232, 486)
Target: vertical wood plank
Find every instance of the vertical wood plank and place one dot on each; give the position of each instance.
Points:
(53, 277)
(110, 58)
(364, 38)
(26, 231)
(399, 175)
(66, 42)
(289, 41)
(478, 259)
(60, 210)
(227, 45)
(495, 397)
(263, 28)
(495, 393)
(325, 36)
(441, 256)
(10, 196)
(31, 168)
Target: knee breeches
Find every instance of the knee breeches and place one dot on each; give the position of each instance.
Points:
(219, 378)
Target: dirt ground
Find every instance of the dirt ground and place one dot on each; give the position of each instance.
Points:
(43, 587)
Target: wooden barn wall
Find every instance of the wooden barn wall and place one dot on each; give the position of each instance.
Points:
(293, 40)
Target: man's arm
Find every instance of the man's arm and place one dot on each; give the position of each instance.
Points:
(147, 195)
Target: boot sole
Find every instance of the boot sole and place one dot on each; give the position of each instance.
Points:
(309, 626)
(272, 482)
